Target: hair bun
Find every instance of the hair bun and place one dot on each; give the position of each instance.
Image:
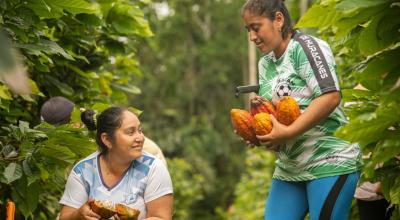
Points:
(89, 118)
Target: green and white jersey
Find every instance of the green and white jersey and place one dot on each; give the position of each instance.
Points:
(316, 153)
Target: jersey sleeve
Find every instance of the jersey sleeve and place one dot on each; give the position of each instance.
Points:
(159, 182)
(75, 194)
(320, 73)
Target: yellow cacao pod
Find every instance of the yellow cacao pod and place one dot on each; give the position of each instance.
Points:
(262, 123)
(287, 110)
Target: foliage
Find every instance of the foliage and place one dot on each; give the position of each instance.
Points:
(187, 187)
(192, 65)
(251, 191)
(82, 50)
(365, 38)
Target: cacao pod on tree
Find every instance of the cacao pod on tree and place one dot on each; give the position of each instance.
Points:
(259, 104)
(262, 123)
(242, 122)
(287, 110)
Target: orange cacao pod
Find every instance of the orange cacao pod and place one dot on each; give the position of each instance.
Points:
(259, 104)
(126, 213)
(262, 123)
(287, 110)
(242, 122)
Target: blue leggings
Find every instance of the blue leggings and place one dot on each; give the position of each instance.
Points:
(326, 198)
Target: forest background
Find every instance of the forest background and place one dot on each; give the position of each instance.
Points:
(177, 62)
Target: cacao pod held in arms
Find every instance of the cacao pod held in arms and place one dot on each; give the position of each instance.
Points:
(262, 123)
(242, 122)
(287, 110)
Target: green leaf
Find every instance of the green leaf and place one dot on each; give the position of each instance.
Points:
(378, 34)
(12, 172)
(387, 148)
(372, 76)
(128, 19)
(26, 197)
(346, 24)
(45, 46)
(364, 131)
(79, 144)
(54, 8)
(60, 153)
(90, 75)
(308, 19)
(353, 7)
(5, 92)
(129, 89)
(395, 192)
(100, 107)
(350, 95)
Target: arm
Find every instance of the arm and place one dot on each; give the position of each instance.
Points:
(158, 194)
(318, 110)
(84, 212)
(75, 200)
(160, 209)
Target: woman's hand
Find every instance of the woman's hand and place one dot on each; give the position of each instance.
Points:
(248, 143)
(84, 212)
(277, 137)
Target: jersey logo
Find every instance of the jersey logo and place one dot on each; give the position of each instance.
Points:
(130, 198)
(283, 88)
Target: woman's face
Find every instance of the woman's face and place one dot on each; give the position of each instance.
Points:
(129, 138)
(263, 32)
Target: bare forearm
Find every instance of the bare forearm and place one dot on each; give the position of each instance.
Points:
(70, 215)
(319, 109)
(157, 218)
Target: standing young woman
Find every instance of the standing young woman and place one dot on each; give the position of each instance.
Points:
(316, 172)
(120, 172)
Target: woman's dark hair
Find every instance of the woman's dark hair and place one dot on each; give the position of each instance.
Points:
(106, 122)
(57, 110)
(268, 9)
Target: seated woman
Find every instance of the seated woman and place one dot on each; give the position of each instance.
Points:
(120, 172)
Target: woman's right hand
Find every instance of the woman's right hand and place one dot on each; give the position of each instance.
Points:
(85, 212)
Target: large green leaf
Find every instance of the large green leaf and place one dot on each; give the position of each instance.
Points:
(45, 46)
(387, 147)
(379, 34)
(310, 18)
(12, 172)
(128, 19)
(58, 152)
(54, 8)
(351, 8)
(372, 76)
(364, 131)
(26, 197)
(345, 24)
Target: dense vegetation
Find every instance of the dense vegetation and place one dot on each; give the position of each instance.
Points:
(83, 51)
(178, 61)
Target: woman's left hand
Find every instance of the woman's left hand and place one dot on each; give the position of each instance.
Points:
(277, 137)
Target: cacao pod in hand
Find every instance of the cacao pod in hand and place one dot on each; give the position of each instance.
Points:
(126, 213)
(105, 209)
(287, 110)
(242, 122)
(262, 123)
(259, 104)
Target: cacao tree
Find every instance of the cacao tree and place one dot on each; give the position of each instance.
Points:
(82, 50)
